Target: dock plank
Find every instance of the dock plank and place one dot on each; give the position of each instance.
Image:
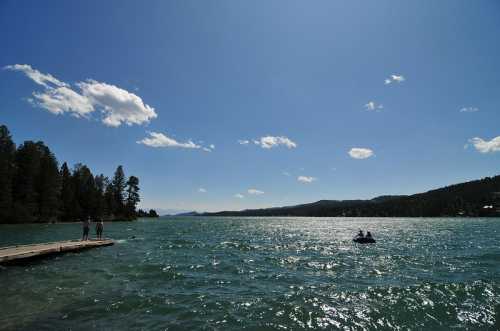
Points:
(13, 253)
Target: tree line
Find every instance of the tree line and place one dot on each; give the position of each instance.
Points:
(33, 188)
(470, 199)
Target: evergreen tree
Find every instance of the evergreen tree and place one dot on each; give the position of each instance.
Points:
(109, 201)
(25, 192)
(48, 186)
(100, 183)
(67, 197)
(118, 185)
(85, 191)
(7, 158)
(132, 196)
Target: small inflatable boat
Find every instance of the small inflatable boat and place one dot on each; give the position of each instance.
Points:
(364, 240)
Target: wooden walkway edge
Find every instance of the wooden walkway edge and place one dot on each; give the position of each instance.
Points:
(15, 253)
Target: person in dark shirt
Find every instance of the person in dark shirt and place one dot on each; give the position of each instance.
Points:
(99, 227)
(86, 228)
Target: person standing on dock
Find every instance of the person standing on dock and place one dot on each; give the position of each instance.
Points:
(99, 227)
(86, 229)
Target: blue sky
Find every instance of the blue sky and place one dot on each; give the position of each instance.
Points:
(153, 85)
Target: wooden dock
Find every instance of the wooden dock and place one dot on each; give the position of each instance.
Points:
(19, 253)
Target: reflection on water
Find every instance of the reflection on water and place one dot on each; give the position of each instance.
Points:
(261, 273)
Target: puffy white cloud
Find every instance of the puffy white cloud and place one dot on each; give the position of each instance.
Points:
(202, 190)
(372, 105)
(485, 146)
(360, 153)
(394, 78)
(36, 76)
(254, 191)
(63, 100)
(306, 179)
(239, 196)
(157, 139)
(243, 142)
(268, 142)
(117, 105)
(469, 109)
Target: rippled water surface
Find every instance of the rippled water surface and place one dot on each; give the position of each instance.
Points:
(260, 274)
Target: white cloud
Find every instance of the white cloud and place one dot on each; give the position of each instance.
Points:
(63, 100)
(157, 139)
(394, 78)
(372, 105)
(36, 76)
(286, 173)
(117, 105)
(469, 109)
(360, 153)
(306, 179)
(399, 79)
(243, 142)
(268, 142)
(255, 191)
(211, 146)
(239, 196)
(484, 146)
(202, 190)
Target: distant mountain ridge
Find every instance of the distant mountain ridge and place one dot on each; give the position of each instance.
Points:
(474, 198)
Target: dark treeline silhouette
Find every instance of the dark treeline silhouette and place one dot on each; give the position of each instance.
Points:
(34, 189)
(475, 198)
(151, 213)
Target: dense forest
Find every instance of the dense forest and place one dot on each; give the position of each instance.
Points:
(34, 189)
(475, 198)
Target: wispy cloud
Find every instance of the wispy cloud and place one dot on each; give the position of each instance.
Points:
(485, 146)
(239, 196)
(202, 190)
(269, 142)
(360, 153)
(394, 78)
(117, 106)
(286, 173)
(372, 105)
(469, 109)
(243, 142)
(46, 80)
(306, 179)
(254, 191)
(158, 139)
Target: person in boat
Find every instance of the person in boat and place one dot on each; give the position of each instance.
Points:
(368, 235)
(360, 234)
(86, 228)
(99, 227)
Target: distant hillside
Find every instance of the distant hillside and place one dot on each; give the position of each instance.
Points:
(475, 198)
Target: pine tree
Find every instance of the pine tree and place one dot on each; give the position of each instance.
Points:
(25, 192)
(7, 158)
(132, 196)
(118, 185)
(67, 197)
(48, 185)
(100, 183)
(109, 201)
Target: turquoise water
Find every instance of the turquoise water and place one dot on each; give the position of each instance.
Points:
(260, 274)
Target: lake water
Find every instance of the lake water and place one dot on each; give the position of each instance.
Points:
(260, 274)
